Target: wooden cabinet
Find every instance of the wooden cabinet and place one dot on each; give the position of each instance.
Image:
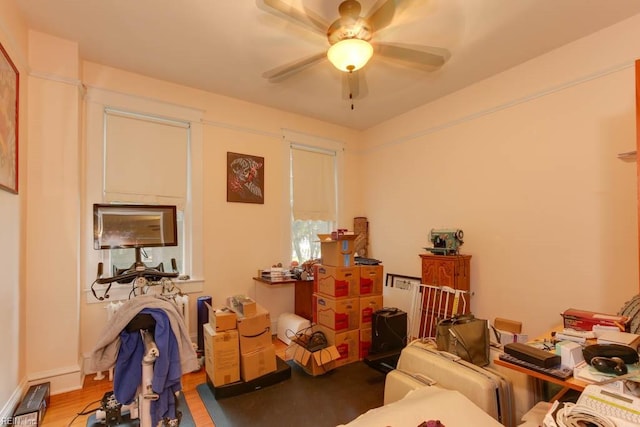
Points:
(451, 271)
(304, 299)
(446, 270)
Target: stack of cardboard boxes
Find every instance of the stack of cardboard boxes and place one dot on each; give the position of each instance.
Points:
(345, 297)
(257, 352)
(237, 343)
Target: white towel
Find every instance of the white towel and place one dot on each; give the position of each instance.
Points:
(106, 349)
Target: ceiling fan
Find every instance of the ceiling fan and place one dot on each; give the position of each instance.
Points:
(350, 39)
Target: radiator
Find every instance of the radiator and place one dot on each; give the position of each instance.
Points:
(182, 303)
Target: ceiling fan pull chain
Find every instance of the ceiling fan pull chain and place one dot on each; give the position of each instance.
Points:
(350, 83)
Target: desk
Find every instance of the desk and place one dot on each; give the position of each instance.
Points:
(302, 294)
(539, 377)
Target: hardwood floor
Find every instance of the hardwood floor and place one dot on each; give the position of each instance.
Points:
(64, 407)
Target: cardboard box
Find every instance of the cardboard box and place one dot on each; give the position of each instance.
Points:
(222, 319)
(314, 308)
(371, 277)
(347, 343)
(513, 326)
(258, 363)
(505, 337)
(336, 282)
(316, 363)
(255, 331)
(583, 320)
(339, 314)
(221, 355)
(31, 410)
(242, 305)
(365, 343)
(338, 253)
(367, 306)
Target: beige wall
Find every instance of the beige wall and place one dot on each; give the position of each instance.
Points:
(237, 238)
(53, 213)
(13, 37)
(525, 163)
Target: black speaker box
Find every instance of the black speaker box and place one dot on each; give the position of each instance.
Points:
(626, 353)
(388, 330)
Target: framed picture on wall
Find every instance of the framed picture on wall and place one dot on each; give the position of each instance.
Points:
(8, 123)
(401, 282)
(245, 178)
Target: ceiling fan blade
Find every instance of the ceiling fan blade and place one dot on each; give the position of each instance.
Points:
(308, 19)
(354, 85)
(282, 72)
(421, 56)
(381, 14)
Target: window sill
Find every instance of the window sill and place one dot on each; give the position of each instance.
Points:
(119, 292)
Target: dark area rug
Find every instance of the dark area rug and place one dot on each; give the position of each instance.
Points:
(334, 398)
(186, 421)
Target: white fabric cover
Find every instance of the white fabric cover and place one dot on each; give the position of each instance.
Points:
(398, 384)
(289, 325)
(481, 389)
(522, 385)
(424, 404)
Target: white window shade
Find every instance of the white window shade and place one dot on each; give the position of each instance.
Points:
(145, 159)
(313, 184)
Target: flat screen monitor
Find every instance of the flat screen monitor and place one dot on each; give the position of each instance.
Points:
(134, 226)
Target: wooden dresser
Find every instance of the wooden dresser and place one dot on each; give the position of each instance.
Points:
(452, 271)
(446, 270)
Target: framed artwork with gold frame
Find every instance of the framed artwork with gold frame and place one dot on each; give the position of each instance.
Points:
(9, 85)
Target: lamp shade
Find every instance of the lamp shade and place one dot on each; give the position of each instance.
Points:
(350, 54)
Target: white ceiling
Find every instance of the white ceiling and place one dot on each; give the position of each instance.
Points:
(224, 46)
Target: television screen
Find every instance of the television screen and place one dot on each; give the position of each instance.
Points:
(134, 226)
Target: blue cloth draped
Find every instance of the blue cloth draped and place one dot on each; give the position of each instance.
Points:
(167, 370)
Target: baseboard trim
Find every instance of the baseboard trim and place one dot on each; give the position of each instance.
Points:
(63, 379)
(6, 414)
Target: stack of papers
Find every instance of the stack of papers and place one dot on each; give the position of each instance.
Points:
(617, 337)
(588, 373)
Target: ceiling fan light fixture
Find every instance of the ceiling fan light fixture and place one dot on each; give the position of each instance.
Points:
(350, 54)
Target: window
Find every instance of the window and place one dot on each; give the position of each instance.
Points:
(313, 199)
(146, 161)
(142, 150)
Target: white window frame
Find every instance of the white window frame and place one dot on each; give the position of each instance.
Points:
(314, 143)
(98, 101)
(183, 204)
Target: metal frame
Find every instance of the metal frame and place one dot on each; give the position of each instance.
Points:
(431, 304)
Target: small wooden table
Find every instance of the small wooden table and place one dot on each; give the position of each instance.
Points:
(303, 294)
